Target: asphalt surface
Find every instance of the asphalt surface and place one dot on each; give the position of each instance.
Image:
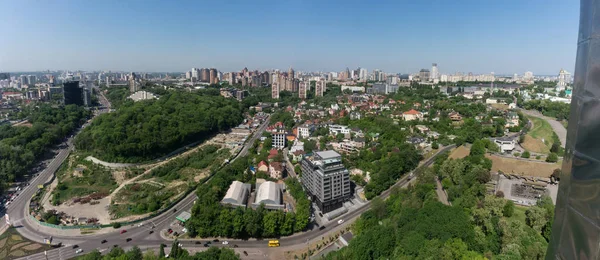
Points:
(147, 236)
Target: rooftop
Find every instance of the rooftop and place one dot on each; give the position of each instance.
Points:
(328, 154)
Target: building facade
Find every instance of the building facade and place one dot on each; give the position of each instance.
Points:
(326, 180)
(279, 140)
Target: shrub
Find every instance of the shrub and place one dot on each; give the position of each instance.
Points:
(525, 154)
(553, 157)
(116, 225)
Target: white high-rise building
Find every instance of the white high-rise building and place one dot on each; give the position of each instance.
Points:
(564, 78)
(363, 74)
(434, 71)
(195, 73)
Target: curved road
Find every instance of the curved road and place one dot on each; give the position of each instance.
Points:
(142, 238)
(146, 236)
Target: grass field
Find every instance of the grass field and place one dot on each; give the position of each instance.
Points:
(522, 167)
(78, 178)
(538, 139)
(142, 198)
(519, 213)
(13, 245)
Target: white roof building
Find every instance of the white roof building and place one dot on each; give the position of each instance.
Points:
(237, 194)
(269, 194)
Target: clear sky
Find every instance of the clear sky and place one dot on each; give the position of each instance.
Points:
(507, 36)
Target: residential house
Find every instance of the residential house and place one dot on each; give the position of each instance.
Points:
(338, 129)
(279, 140)
(262, 167)
(412, 115)
(422, 128)
(355, 116)
(455, 116)
(276, 170)
(512, 119)
(506, 144)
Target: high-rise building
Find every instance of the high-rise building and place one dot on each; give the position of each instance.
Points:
(195, 73)
(31, 80)
(302, 89)
(291, 73)
(188, 75)
(363, 74)
(213, 76)
(326, 180)
(204, 75)
(23, 80)
(528, 75)
(424, 75)
(275, 90)
(133, 84)
(279, 140)
(434, 72)
(564, 78)
(73, 94)
(319, 88)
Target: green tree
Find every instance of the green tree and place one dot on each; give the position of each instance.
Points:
(509, 209)
(525, 154)
(161, 252)
(134, 254)
(478, 148)
(435, 145)
(552, 158)
(555, 148)
(535, 217)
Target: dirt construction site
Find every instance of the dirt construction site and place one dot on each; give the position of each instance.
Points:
(124, 181)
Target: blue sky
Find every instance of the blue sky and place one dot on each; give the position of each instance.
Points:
(396, 36)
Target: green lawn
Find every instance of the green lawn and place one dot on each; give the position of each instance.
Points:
(541, 129)
(95, 178)
(519, 213)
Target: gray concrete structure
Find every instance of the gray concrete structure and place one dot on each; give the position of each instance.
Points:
(237, 194)
(576, 230)
(326, 180)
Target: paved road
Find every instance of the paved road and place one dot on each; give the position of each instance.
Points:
(142, 237)
(558, 128)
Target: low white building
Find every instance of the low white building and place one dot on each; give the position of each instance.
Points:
(339, 129)
(505, 144)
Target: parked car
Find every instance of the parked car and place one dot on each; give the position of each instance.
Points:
(103, 241)
(225, 242)
(128, 239)
(123, 231)
(78, 251)
(340, 221)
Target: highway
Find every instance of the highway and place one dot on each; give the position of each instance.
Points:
(142, 238)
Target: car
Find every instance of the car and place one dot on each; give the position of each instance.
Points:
(322, 227)
(128, 239)
(320, 214)
(198, 242)
(170, 231)
(175, 234)
(151, 231)
(103, 241)
(208, 242)
(75, 246)
(123, 231)
(174, 210)
(115, 245)
(225, 242)
(206, 245)
(340, 221)
(78, 251)
(141, 224)
(245, 253)
(215, 240)
(235, 246)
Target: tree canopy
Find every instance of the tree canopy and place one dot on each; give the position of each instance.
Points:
(150, 129)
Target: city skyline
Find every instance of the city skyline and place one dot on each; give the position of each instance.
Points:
(504, 38)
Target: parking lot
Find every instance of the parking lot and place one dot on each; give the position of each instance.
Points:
(523, 192)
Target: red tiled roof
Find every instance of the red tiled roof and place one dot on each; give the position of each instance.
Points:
(411, 112)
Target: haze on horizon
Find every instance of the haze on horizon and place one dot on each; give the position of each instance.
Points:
(395, 36)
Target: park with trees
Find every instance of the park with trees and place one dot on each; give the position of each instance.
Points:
(413, 224)
(145, 130)
(21, 147)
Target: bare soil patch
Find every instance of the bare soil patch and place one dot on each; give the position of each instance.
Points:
(32, 247)
(460, 152)
(3, 242)
(534, 145)
(18, 245)
(522, 167)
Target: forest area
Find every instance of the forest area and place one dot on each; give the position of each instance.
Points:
(413, 224)
(21, 147)
(177, 253)
(145, 130)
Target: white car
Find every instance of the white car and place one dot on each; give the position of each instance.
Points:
(78, 251)
(340, 221)
(225, 242)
